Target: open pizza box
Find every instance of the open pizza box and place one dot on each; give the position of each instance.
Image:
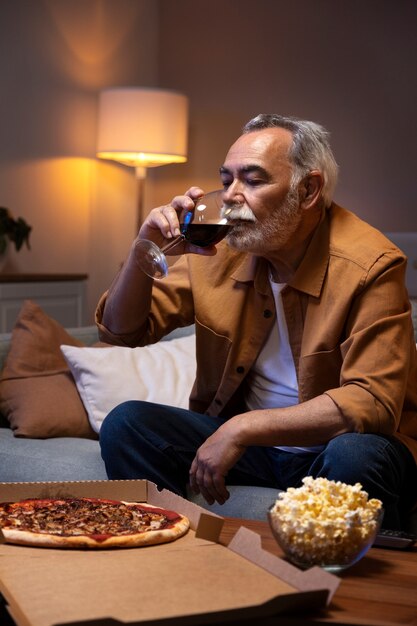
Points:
(192, 580)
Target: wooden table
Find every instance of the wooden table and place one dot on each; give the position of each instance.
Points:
(380, 590)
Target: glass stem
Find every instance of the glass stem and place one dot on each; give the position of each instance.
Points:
(172, 243)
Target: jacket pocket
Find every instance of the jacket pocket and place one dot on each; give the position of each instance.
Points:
(319, 372)
(212, 351)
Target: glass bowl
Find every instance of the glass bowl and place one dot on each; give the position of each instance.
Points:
(316, 542)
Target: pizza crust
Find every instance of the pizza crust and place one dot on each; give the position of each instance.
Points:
(177, 528)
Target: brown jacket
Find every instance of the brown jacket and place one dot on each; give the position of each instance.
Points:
(348, 317)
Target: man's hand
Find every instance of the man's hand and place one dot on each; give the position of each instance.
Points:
(162, 225)
(218, 454)
(309, 423)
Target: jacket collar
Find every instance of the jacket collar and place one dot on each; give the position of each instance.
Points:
(310, 274)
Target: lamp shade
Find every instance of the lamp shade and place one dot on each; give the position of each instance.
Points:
(142, 127)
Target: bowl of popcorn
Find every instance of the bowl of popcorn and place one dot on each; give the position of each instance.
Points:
(325, 523)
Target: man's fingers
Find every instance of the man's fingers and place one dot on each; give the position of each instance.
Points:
(220, 487)
(194, 192)
(211, 486)
(167, 220)
(198, 483)
(207, 488)
(193, 482)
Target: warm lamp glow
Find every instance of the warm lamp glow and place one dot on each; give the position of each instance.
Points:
(142, 158)
(142, 127)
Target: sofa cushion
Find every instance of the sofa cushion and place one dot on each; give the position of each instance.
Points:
(44, 460)
(244, 502)
(37, 392)
(105, 377)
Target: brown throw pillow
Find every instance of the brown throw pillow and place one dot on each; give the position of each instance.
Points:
(38, 394)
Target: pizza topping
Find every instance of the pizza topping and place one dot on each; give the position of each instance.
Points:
(82, 517)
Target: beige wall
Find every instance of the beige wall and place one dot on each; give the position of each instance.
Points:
(349, 65)
(55, 55)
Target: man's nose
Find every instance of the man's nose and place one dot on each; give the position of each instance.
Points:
(234, 193)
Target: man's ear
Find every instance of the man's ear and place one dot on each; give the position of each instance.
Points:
(310, 189)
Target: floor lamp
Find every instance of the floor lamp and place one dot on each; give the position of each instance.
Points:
(142, 127)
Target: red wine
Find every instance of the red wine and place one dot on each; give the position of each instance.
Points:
(204, 234)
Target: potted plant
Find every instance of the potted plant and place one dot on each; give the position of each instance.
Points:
(11, 229)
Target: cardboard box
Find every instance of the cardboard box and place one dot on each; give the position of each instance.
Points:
(194, 579)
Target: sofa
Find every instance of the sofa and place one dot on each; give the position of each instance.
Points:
(58, 384)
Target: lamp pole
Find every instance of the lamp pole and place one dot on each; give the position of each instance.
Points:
(141, 180)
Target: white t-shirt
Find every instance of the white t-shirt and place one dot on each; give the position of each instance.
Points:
(272, 382)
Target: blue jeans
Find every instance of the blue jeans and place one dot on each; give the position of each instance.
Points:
(157, 442)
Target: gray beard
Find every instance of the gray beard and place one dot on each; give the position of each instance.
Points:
(274, 232)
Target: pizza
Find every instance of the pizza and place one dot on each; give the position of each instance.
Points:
(88, 523)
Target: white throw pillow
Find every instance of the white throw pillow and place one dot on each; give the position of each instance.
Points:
(105, 377)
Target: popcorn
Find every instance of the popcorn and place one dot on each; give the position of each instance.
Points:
(325, 522)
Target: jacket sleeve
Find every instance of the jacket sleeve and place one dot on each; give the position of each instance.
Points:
(378, 353)
(171, 307)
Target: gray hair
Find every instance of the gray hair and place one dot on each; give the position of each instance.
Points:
(310, 149)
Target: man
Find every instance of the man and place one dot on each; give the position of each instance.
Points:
(306, 362)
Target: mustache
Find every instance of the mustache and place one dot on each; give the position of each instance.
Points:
(237, 212)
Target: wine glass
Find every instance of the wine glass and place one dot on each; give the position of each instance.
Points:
(205, 225)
